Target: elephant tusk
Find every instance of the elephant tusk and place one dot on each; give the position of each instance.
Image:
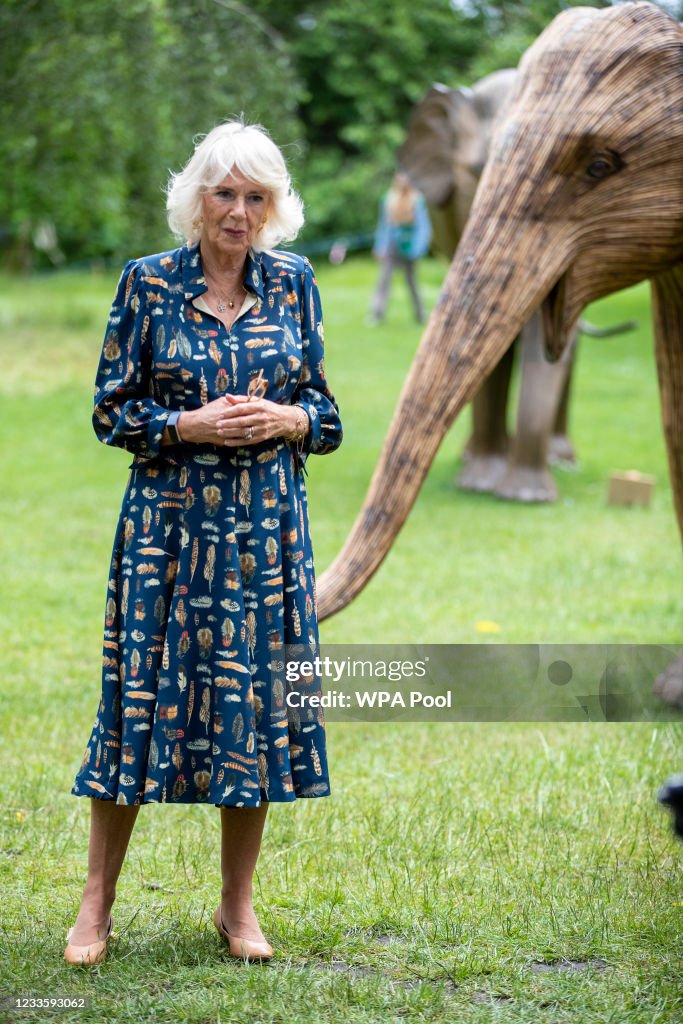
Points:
(585, 327)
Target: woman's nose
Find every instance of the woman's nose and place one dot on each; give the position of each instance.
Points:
(238, 209)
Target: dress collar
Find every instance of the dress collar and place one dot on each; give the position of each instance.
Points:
(194, 281)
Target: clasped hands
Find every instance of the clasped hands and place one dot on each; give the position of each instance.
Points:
(238, 420)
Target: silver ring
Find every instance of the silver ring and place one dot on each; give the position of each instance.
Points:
(249, 433)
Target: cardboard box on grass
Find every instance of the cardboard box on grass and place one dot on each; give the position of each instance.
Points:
(630, 488)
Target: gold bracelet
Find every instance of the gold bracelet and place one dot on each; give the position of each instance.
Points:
(300, 429)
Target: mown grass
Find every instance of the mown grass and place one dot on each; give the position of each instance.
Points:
(451, 857)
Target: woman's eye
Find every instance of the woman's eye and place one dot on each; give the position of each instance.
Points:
(228, 196)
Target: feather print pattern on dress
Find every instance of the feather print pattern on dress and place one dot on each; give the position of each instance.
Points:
(212, 567)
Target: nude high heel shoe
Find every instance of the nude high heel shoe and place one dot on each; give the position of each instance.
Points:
(243, 949)
(93, 953)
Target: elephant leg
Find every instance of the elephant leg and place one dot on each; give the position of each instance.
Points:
(560, 449)
(667, 309)
(485, 455)
(527, 477)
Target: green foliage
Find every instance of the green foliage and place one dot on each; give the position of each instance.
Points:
(512, 27)
(363, 66)
(100, 100)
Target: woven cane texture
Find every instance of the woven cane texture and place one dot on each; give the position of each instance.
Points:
(582, 195)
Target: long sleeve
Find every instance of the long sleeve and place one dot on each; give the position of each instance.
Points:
(312, 392)
(125, 412)
(423, 228)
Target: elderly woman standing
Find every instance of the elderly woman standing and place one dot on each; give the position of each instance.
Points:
(212, 376)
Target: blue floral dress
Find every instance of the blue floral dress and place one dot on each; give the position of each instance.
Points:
(212, 566)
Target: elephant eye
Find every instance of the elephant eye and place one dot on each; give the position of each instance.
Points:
(604, 164)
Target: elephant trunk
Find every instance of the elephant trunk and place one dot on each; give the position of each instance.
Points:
(470, 328)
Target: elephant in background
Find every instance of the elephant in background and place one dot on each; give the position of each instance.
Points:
(444, 154)
(581, 196)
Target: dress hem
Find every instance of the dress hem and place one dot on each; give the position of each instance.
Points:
(210, 803)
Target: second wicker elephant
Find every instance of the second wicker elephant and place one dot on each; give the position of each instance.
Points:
(444, 154)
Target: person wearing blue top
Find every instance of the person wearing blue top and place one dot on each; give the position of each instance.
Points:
(402, 237)
(212, 376)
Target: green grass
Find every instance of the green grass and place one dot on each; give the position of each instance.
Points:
(450, 857)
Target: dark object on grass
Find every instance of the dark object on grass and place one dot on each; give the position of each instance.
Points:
(671, 795)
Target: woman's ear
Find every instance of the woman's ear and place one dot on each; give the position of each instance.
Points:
(267, 211)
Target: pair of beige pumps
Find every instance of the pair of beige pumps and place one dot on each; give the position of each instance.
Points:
(95, 952)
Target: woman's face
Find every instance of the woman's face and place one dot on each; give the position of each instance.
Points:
(233, 212)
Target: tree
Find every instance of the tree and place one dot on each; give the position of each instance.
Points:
(363, 66)
(100, 100)
(512, 27)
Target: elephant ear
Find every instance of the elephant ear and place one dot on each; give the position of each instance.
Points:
(491, 98)
(435, 126)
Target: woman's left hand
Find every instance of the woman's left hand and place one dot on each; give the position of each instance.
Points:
(248, 420)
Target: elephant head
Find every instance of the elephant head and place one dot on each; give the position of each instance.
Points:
(582, 195)
(446, 148)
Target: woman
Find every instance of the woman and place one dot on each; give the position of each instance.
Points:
(212, 376)
(402, 237)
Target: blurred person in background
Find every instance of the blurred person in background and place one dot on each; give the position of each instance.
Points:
(402, 238)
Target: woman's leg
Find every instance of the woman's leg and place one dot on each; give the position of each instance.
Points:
(381, 296)
(111, 825)
(409, 267)
(241, 832)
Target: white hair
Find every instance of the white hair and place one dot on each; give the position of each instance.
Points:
(250, 149)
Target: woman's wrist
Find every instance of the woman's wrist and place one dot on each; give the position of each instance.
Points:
(301, 424)
(171, 435)
(179, 428)
(185, 426)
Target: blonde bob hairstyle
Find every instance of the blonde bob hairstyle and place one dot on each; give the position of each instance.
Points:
(250, 149)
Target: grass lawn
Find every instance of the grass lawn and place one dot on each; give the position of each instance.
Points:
(460, 872)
